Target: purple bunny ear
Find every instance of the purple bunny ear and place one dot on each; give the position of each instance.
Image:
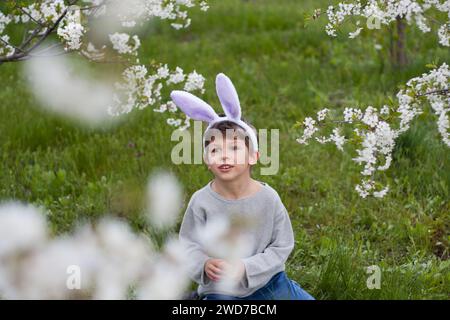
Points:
(193, 106)
(228, 96)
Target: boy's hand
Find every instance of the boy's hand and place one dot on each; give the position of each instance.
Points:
(215, 269)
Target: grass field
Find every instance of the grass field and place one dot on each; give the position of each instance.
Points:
(283, 72)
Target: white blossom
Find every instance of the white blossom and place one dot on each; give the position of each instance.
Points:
(386, 12)
(370, 116)
(116, 20)
(351, 114)
(97, 261)
(204, 6)
(355, 33)
(310, 129)
(140, 89)
(194, 81)
(338, 139)
(177, 76)
(169, 276)
(63, 91)
(384, 110)
(444, 34)
(22, 227)
(163, 198)
(322, 114)
(374, 152)
(120, 42)
(71, 30)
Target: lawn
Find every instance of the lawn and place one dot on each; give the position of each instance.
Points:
(283, 72)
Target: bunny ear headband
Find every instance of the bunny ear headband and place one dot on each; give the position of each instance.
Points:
(198, 109)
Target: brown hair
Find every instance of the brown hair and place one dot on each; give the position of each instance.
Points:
(222, 126)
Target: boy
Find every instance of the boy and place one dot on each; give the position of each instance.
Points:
(231, 149)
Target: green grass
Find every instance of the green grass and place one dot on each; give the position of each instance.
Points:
(283, 72)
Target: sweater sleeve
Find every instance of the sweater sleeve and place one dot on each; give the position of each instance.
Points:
(261, 267)
(197, 257)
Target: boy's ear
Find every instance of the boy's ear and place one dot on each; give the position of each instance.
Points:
(253, 158)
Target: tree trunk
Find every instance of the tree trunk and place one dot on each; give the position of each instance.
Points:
(398, 44)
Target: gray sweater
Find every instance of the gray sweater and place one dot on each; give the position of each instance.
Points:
(273, 237)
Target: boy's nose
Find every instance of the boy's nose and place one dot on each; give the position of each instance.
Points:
(224, 154)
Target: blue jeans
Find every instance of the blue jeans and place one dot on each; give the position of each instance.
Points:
(279, 287)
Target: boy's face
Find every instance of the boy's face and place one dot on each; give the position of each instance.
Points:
(228, 157)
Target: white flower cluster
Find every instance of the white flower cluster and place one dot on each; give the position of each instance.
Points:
(376, 139)
(351, 114)
(5, 48)
(132, 12)
(310, 128)
(72, 27)
(432, 88)
(308, 132)
(444, 34)
(46, 12)
(384, 12)
(336, 16)
(113, 18)
(204, 6)
(71, 30)
(100, 261)
(368, 186)
(120, 42)
(141, 89)
(41, 12)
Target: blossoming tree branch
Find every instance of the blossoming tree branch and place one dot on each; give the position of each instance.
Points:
(374, 130)
(101, 31)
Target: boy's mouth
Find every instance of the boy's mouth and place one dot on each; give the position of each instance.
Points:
(225, 167)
